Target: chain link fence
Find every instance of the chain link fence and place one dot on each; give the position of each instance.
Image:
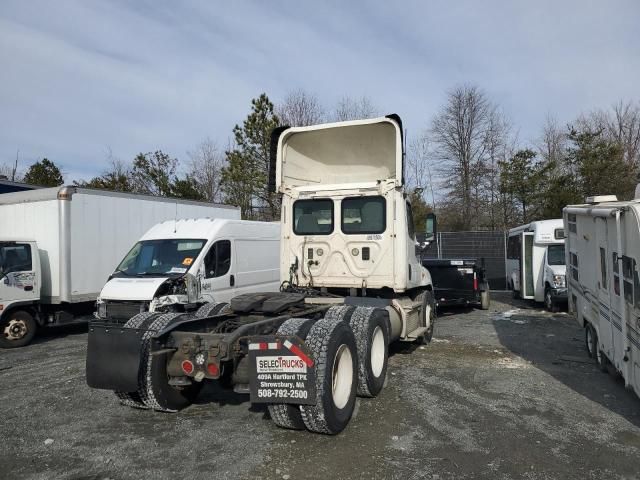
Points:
(488, 248)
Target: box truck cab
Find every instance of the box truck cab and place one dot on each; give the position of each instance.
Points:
(178, 266)
(536, 267)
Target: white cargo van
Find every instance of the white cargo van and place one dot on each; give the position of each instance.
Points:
(178, 266)
(59, 245)
(603, 252)
(536, 267)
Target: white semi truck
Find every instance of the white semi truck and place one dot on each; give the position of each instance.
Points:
(351, 284)
(59, 245)
(603, 258)
(178, 266)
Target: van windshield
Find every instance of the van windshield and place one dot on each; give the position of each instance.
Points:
(160, 257)
(555, 254)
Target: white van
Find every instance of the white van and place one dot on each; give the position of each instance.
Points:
(181, 265)
(603, 249)
(536, 267)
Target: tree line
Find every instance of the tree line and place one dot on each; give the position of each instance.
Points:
(467, 164)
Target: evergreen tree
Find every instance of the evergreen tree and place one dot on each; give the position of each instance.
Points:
(44, 173)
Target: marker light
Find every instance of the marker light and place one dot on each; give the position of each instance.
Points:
(187, 367)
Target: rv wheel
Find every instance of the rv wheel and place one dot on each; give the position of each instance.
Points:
(591, 341)
(333, 348)
(287, 415)
(17, 329)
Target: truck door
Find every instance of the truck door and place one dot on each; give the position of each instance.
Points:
(526, 266)
(608, 284)
(18, 278)
(218, 281)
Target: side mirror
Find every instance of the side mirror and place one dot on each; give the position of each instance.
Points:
(431, 227)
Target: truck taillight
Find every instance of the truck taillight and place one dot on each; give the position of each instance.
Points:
(475, 281)
(213, 369)
(187, 367)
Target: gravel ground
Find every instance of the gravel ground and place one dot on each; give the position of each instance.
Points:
(506, 393)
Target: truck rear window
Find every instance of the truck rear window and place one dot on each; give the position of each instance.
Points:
(363, 215)
(313, 217)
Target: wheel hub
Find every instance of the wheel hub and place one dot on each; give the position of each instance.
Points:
(342, 376)
(15, 329)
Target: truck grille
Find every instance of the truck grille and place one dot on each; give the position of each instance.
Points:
(123, 311)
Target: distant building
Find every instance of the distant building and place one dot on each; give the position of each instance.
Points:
(7, 186)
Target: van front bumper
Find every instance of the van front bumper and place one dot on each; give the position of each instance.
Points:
(559, 295)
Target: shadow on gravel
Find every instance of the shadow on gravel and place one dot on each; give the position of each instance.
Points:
(554, 343)
(213, 392)
(46, 334)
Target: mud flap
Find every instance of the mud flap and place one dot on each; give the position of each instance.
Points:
(113, 357)
(281, 371)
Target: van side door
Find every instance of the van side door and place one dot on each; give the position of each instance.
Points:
(218, 280)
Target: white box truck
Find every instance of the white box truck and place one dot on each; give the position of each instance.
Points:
(351, 284)
(603, 256)
(179, 266)
(59, 245)
(536, 267)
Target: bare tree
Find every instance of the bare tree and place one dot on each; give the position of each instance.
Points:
(499, 145)
(300, 109)
(418, 169)
(459, 132)
(355, 109)
(11, 171)
(207, 161)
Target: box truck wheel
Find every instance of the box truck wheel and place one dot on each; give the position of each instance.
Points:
(371, 329)
(286, 415)
(154, 388)
(485, 300)
(211, 309)
(141, 320)
(333, 348)
(18, 328)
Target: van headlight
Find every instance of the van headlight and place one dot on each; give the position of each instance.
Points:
(559, 281)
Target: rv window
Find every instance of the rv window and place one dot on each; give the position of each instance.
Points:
(218, 259)
(572, 223)
(555, 254)
(603, 268)
(628, 269)
(616, 274)
(364, 215)
(313, 217)
(574, 266)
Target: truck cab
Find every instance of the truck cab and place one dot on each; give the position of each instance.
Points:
(20, 280)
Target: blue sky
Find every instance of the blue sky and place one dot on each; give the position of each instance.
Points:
(80, 78)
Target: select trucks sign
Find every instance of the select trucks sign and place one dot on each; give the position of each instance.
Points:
(282, 371)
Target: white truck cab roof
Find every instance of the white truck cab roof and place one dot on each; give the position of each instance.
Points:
(200, 228)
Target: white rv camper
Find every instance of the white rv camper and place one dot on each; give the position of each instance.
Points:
(603, 251)
(536, 262)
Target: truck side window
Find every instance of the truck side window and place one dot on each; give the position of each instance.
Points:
(410, 225)
(218, 259)
(603, 268)
(15, 257)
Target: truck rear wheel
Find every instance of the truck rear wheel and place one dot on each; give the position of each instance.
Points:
(17, 329)
(141, 320)
(154, 388)
(371, 331)
(428, 317)
(211, 309)
(333, 348)
(287, 415)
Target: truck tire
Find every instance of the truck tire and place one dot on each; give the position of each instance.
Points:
(427, 301)
(286, 415)
(548, 301)
(591, 341)
(371, 330)
(333, 348)
(211, 309)
(485, 300)
(141, 320)
(154, 389)
(17, 329)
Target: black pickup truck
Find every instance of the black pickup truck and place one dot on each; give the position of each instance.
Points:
(458, 282)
